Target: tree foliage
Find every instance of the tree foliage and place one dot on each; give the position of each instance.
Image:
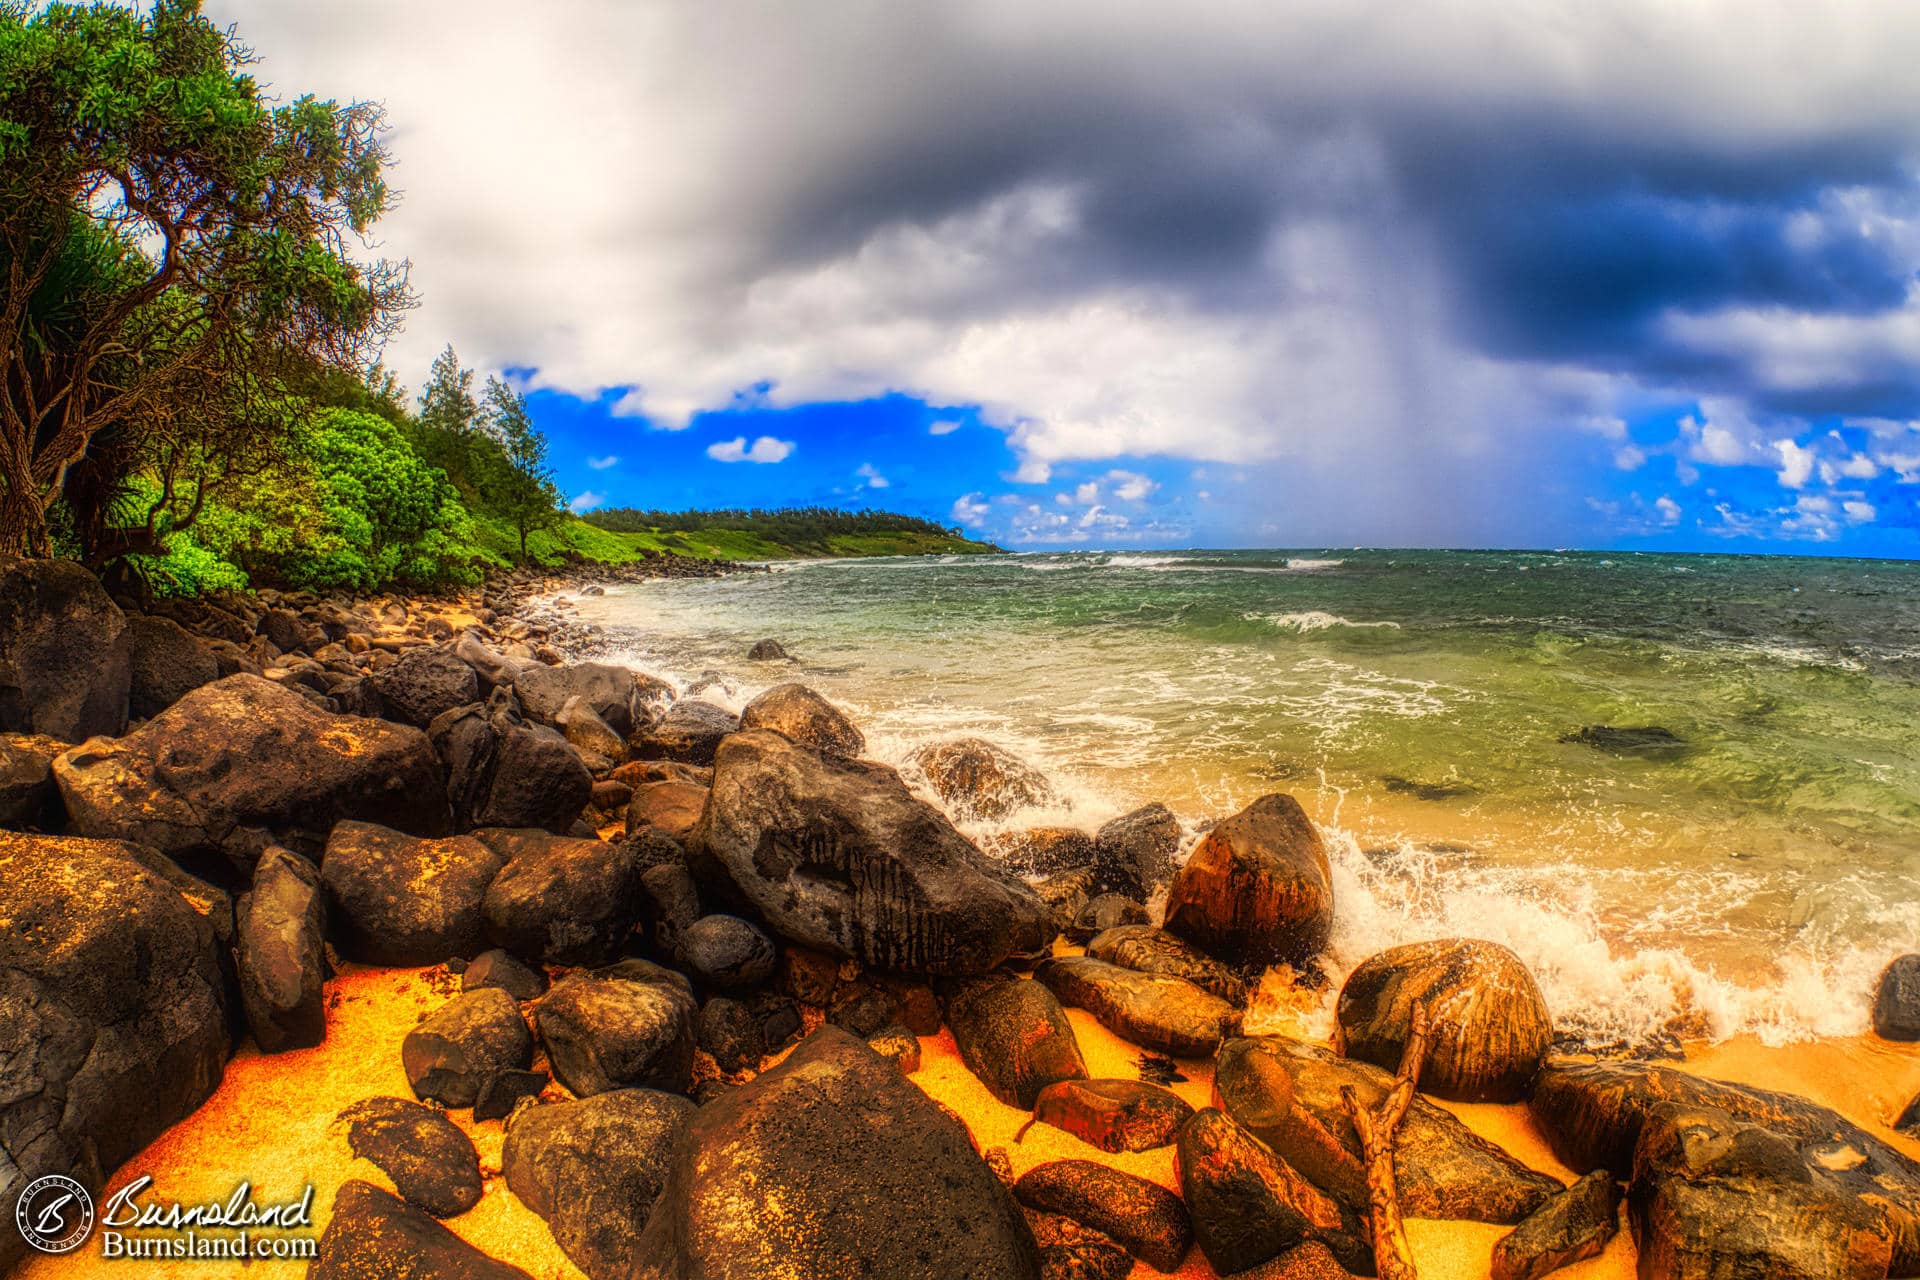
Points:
(806, 529)
(518, 483)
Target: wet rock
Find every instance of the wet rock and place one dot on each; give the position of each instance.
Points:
(1069, 1251)
(432, 1163)
(65, 653)
(1287, 1093)
(768, 651)
(559, 900)
(593, 1169)
(1256, 890)
(1647, 740)
(1147, 1220)
(625, 700)
(589, 734)
(1133, 854)
(424, 684)
(898, 1045)
(1908, 1121)
(812, 977)
(1066, 894)
(1249, 1206)
(113, 1013)
(280, 953)
(1013, 1035)
(690, 732)
(1490, 1025)
(497, 968)
(28, 797)
(166, 663)
(1154, 1010)
(629, 1025)
(1104, 912)
(728, 1031)
(454, 1050)
(725, 953)
(1114, 1115)
(1150, 950)
(671, 808)
(806, 719)
(505, 772)
(1896, 1000)
(838, 856)
(398, 899)
(978, 781)
(241, 764)
(875, 1179)
(1044, 851)
(1575, 1224)
(374, 1235)
(637, 773)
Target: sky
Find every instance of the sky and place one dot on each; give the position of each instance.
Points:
(1639, 274)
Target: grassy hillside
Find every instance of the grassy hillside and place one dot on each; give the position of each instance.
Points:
(577, 536)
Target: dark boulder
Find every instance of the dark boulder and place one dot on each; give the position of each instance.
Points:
(453, 1051)
(1309, 1261)
(623, 699)
(1896, 1000)
(1908, 1121)
(167, 662)
(432, 1163)
(424, 684)
(1490, 1025)
(1154, 1010)
(1149, 950)
(690, 732)
(802, 716)
(1149, 1221)
(505, 772)
(1103, 912)
(1114, 1115)
(1013, 1035)
(978, 781)
(1133, 854)
(593, 1168)
(1069, 1251)
(725, 953)
(672, 808)
(1647, 741)
(1575, 1224)
(629, 1025)
(498, 968)
(65, 664)
(402, 900)
(669, 904)
(558, 900)
(898, 1045)
(28, 796)
(280, 953)
(1257, 889)
(874, 1180)
(502, 1091)
(241, 764)
(1248, 1205)
(1043, 851)
(837, 855)
(591, 736)
(1066, 895)
(374, 1235)
(768, 651)
(728, 1032)
(283, 630)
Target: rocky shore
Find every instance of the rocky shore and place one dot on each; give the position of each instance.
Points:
(717, 996)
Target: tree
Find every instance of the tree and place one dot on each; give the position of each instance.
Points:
(174, 247)
(522, 488)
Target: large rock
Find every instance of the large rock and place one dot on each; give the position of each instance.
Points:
(838, 856)
(280, 953)
(113, 1013)
(1149, 950)
(424, 684)
(802, 716)
(629, 1025)
(453, 1052)
(65, 664)
(1575, 1224)
(1249, 1205)
(241, 764)
(671, 807)
(167, 662)
(1154, 1010)
(1133, 854)
(1114, 1115)
(1598, 1115)
(1287, 1094)
(725, 953)
(1148, 1220)
(401, 900)
(1489, 1025)
(873, 1179)
(624, 700)
(582, 726)
(1257, 889)
(978, 781)
(690, 732)
(1896, 1000)
(593, 1169)
(375, 1235)
(505, 772)
(1013, 1035)
(28, 797)
(559, 900)
(432, 1163)
(1069, 1251)
(1043, 851)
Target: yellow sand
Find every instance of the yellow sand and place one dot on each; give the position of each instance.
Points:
(271, 1121)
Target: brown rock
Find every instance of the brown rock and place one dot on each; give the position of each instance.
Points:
(1573, 1225)
(1257, 889)
(800, 715)
(1044, 851)
(1896, 1000)
(400, 900)
(1015, 1037)
(1249, 1206)
(1309, 1261)
(1147, 1220)
(1069, 1251)
(377, 1236)
(28, 797)
(1154, 1010)
(1149, 950)
(432, 1163)
(977, 780)
(1114, 1115)
(671, 808)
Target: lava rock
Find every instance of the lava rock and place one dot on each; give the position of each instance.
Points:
(589, 734)
(672, 808)
(1069, 1251)
(837, 855)
(1104, 912)
(166, 663)
(432, 1163)
(803, 717)
(1066, 894)
(1147, 1220)
(669, 904)
(1154, 1010)
(1149, 950)
(1249, 1206)
(728, 1031)
(453, 1051)
(1490, 1027)
(1044, 851)
(863, 1008)
(424, 683)
(498, 968)
(558, 900)
(726, 953)
(280, 953)
(625, 700)
(502, 1091)
(690, 732)
(28, 797)
(768, 651)
(1573, 1225)
(374, 1235)
(1133, 854)
(1114, 1115)
(1309, 1261)
(978, 781)
(65, 653)
(898, 1045)
(397, 899)
(593, 1168)
(1257, 889)
(628, 1025)
(1013, 1034)
(1896, 1000)
(505, 772)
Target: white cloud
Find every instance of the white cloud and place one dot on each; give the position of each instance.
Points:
(1131, 486)
(601, 464)
(764, 449)
(1087, 493)
(869, 473)
(587, 501)
(1796, 463)
(1859, 512)
(1629, 457)
(969, 509)
(944, 427)
(1669, 509)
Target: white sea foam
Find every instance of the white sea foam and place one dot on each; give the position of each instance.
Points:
(1313, 620)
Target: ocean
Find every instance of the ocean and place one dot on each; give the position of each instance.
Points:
(1745, 862)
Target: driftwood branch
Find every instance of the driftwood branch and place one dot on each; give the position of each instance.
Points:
(1392, 1255)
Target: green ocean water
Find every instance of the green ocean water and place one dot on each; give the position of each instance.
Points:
(1751, 864)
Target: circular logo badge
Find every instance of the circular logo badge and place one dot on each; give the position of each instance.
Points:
(54, 1214)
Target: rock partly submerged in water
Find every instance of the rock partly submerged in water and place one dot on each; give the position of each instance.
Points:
(977, 780)
(1647, 740)
(1154, 1010)
(1257, 889)
(1896, 1000)
(802, 716)
(874, 1179)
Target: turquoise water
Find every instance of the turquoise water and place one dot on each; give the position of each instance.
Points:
(1752, 868)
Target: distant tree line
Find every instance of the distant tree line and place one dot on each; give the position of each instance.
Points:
(802, 528)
